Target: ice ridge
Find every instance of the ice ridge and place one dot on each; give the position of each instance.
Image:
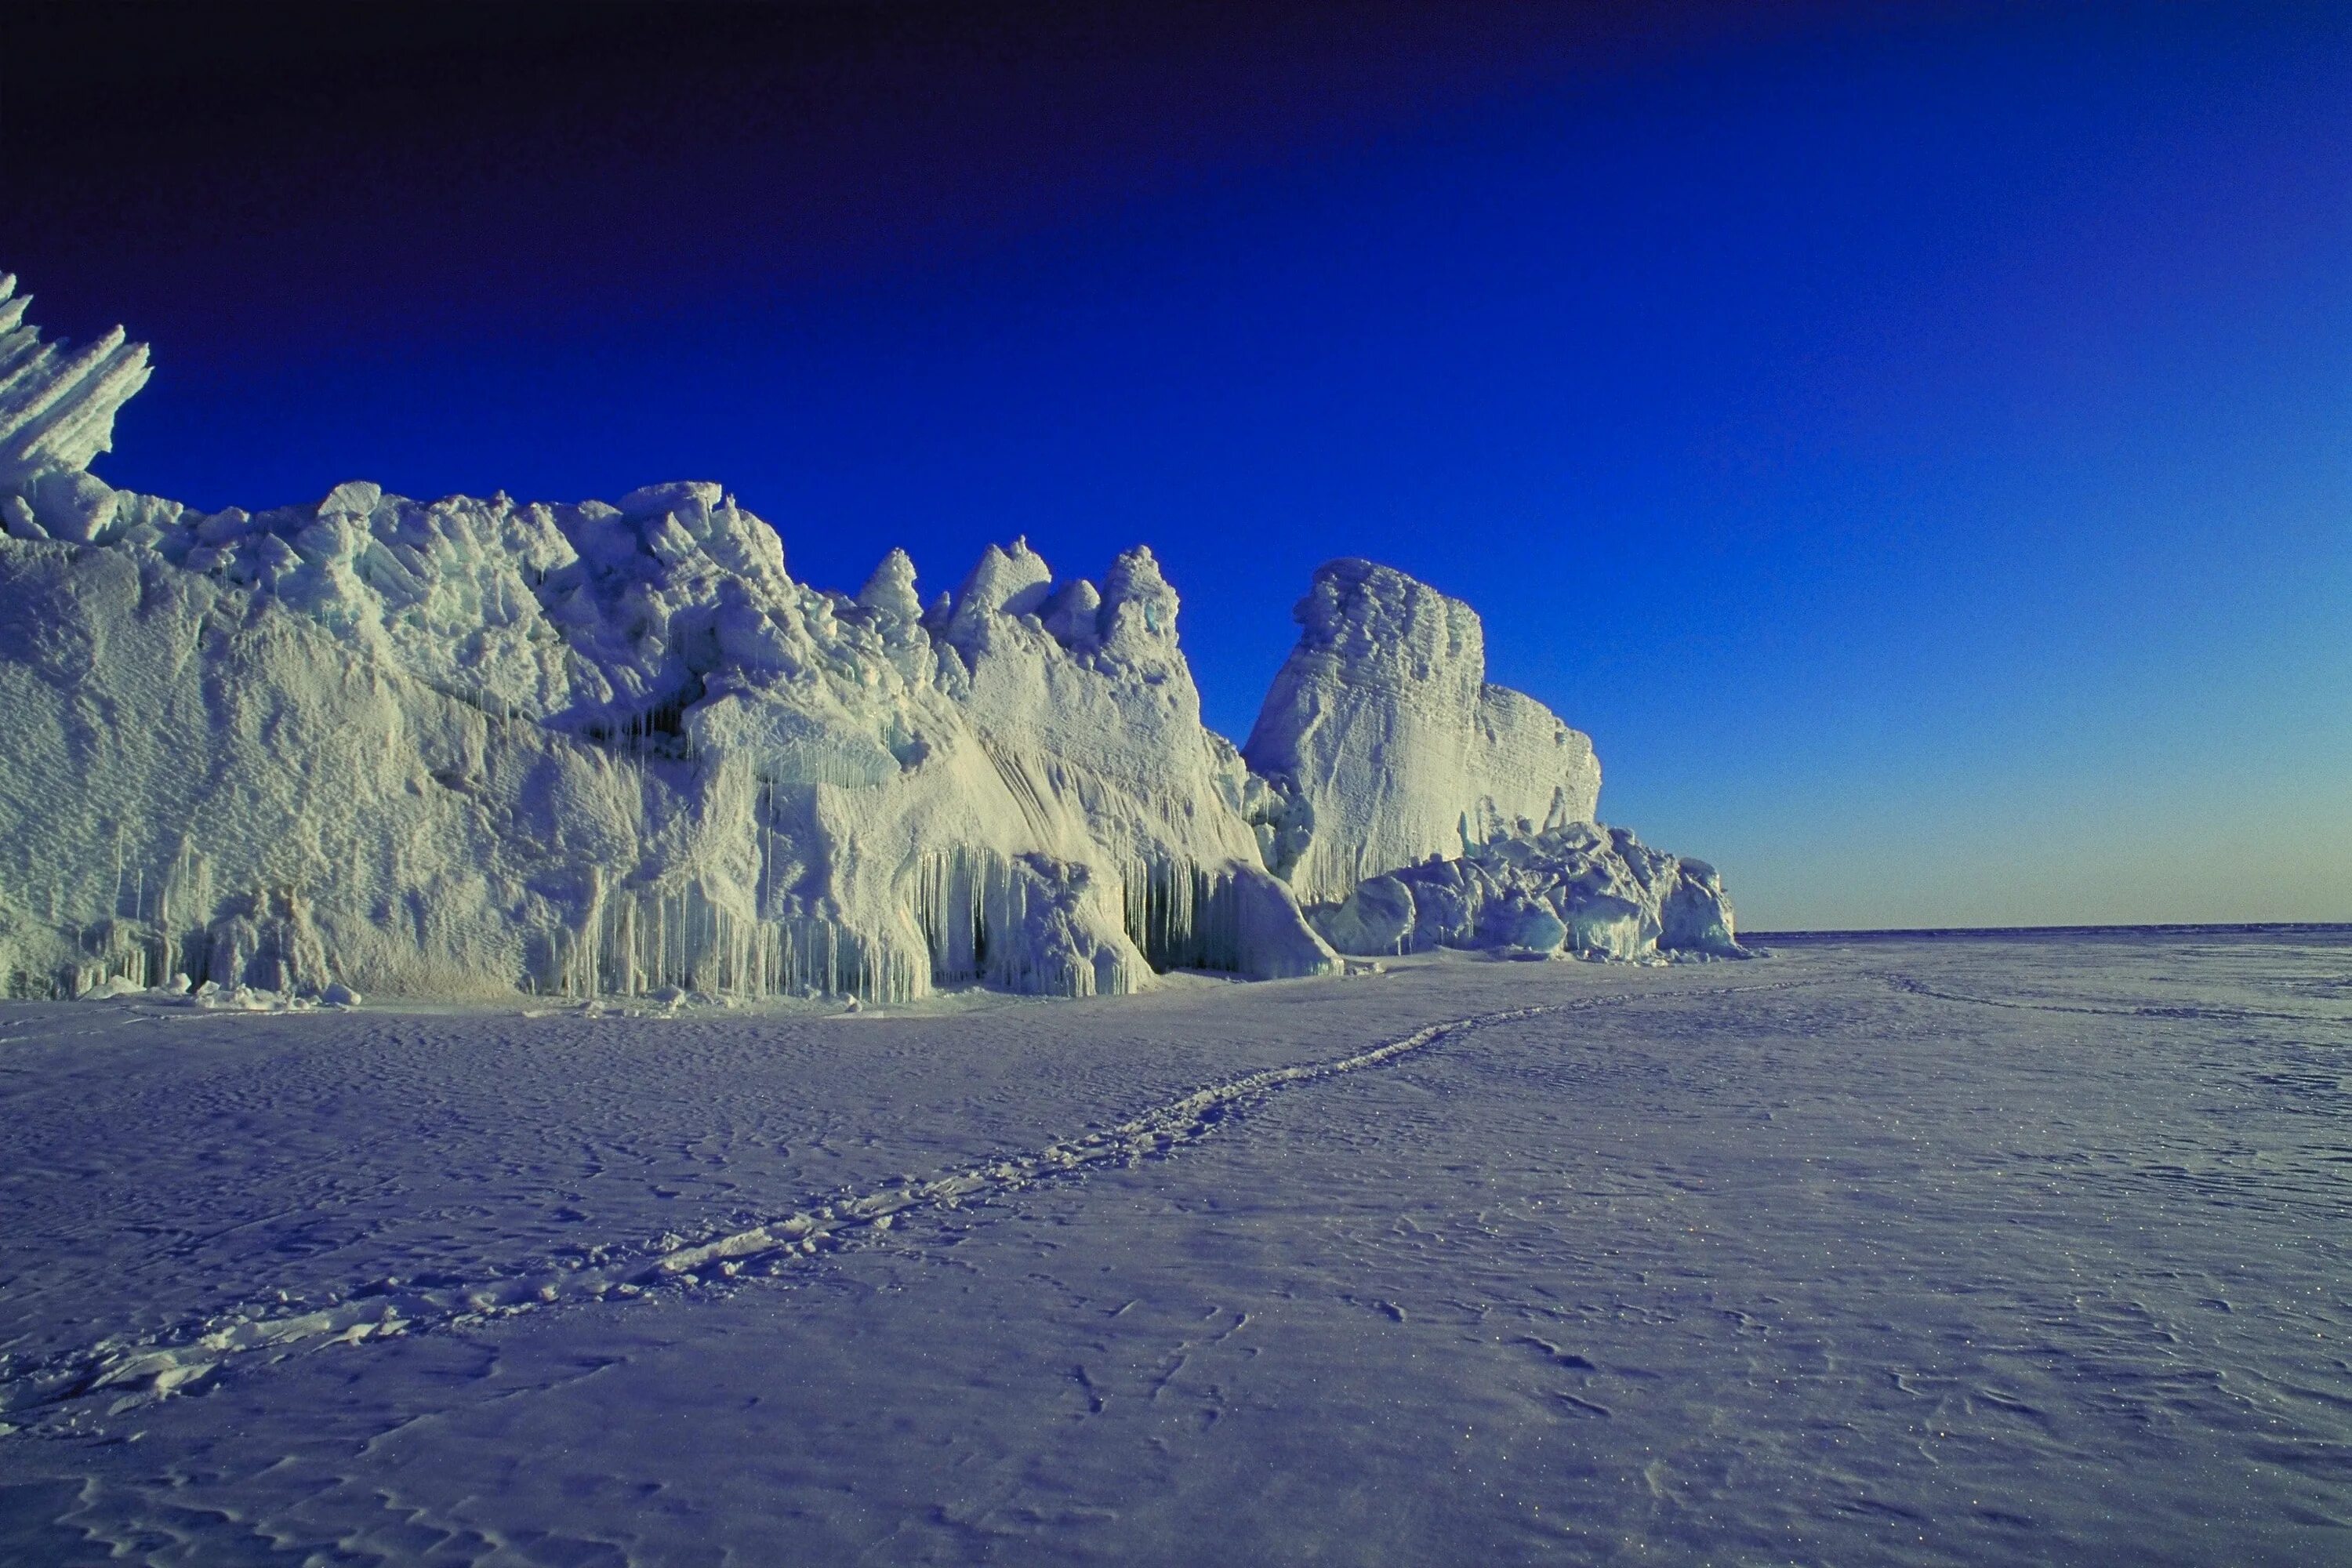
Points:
(470, 746)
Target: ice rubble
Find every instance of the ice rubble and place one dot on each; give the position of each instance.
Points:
(1582, 889)
(464, 746)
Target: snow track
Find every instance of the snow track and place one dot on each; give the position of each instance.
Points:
(74, 1393)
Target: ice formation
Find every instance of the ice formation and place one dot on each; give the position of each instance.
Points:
(1582, 889)
(57, 412)
(466, 746)
(1384, 743)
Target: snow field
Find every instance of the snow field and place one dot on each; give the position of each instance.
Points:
(1926, 1252)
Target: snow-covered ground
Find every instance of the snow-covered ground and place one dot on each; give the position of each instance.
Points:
(1934, 1251)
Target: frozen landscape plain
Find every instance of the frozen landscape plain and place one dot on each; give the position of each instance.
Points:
(1957, 1250)
(827, 1120)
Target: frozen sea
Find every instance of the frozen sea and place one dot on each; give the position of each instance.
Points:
(1963, 1249)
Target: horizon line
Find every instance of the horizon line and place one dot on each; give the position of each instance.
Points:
(2171, 927)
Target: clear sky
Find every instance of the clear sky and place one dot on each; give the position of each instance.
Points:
(1915, 441)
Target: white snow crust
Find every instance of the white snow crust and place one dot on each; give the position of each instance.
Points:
(466, 746)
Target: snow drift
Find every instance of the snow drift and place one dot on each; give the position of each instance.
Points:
(466, 746)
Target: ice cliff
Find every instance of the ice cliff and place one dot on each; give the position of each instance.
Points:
(1385, 743)
(1411, 804)
(468, 746)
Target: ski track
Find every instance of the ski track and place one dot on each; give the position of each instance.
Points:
(71, 1394)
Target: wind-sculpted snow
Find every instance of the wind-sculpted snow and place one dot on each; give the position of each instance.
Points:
(472, 746)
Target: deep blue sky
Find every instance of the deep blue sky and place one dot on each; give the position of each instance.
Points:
(1915, 442)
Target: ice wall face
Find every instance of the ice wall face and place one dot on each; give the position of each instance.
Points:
(820, 791)
(1383, 743)
(468, 745)
(198, 781)
(475, 745)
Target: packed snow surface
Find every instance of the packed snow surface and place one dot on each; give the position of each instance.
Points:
(468, 747)
(1891, 1251)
